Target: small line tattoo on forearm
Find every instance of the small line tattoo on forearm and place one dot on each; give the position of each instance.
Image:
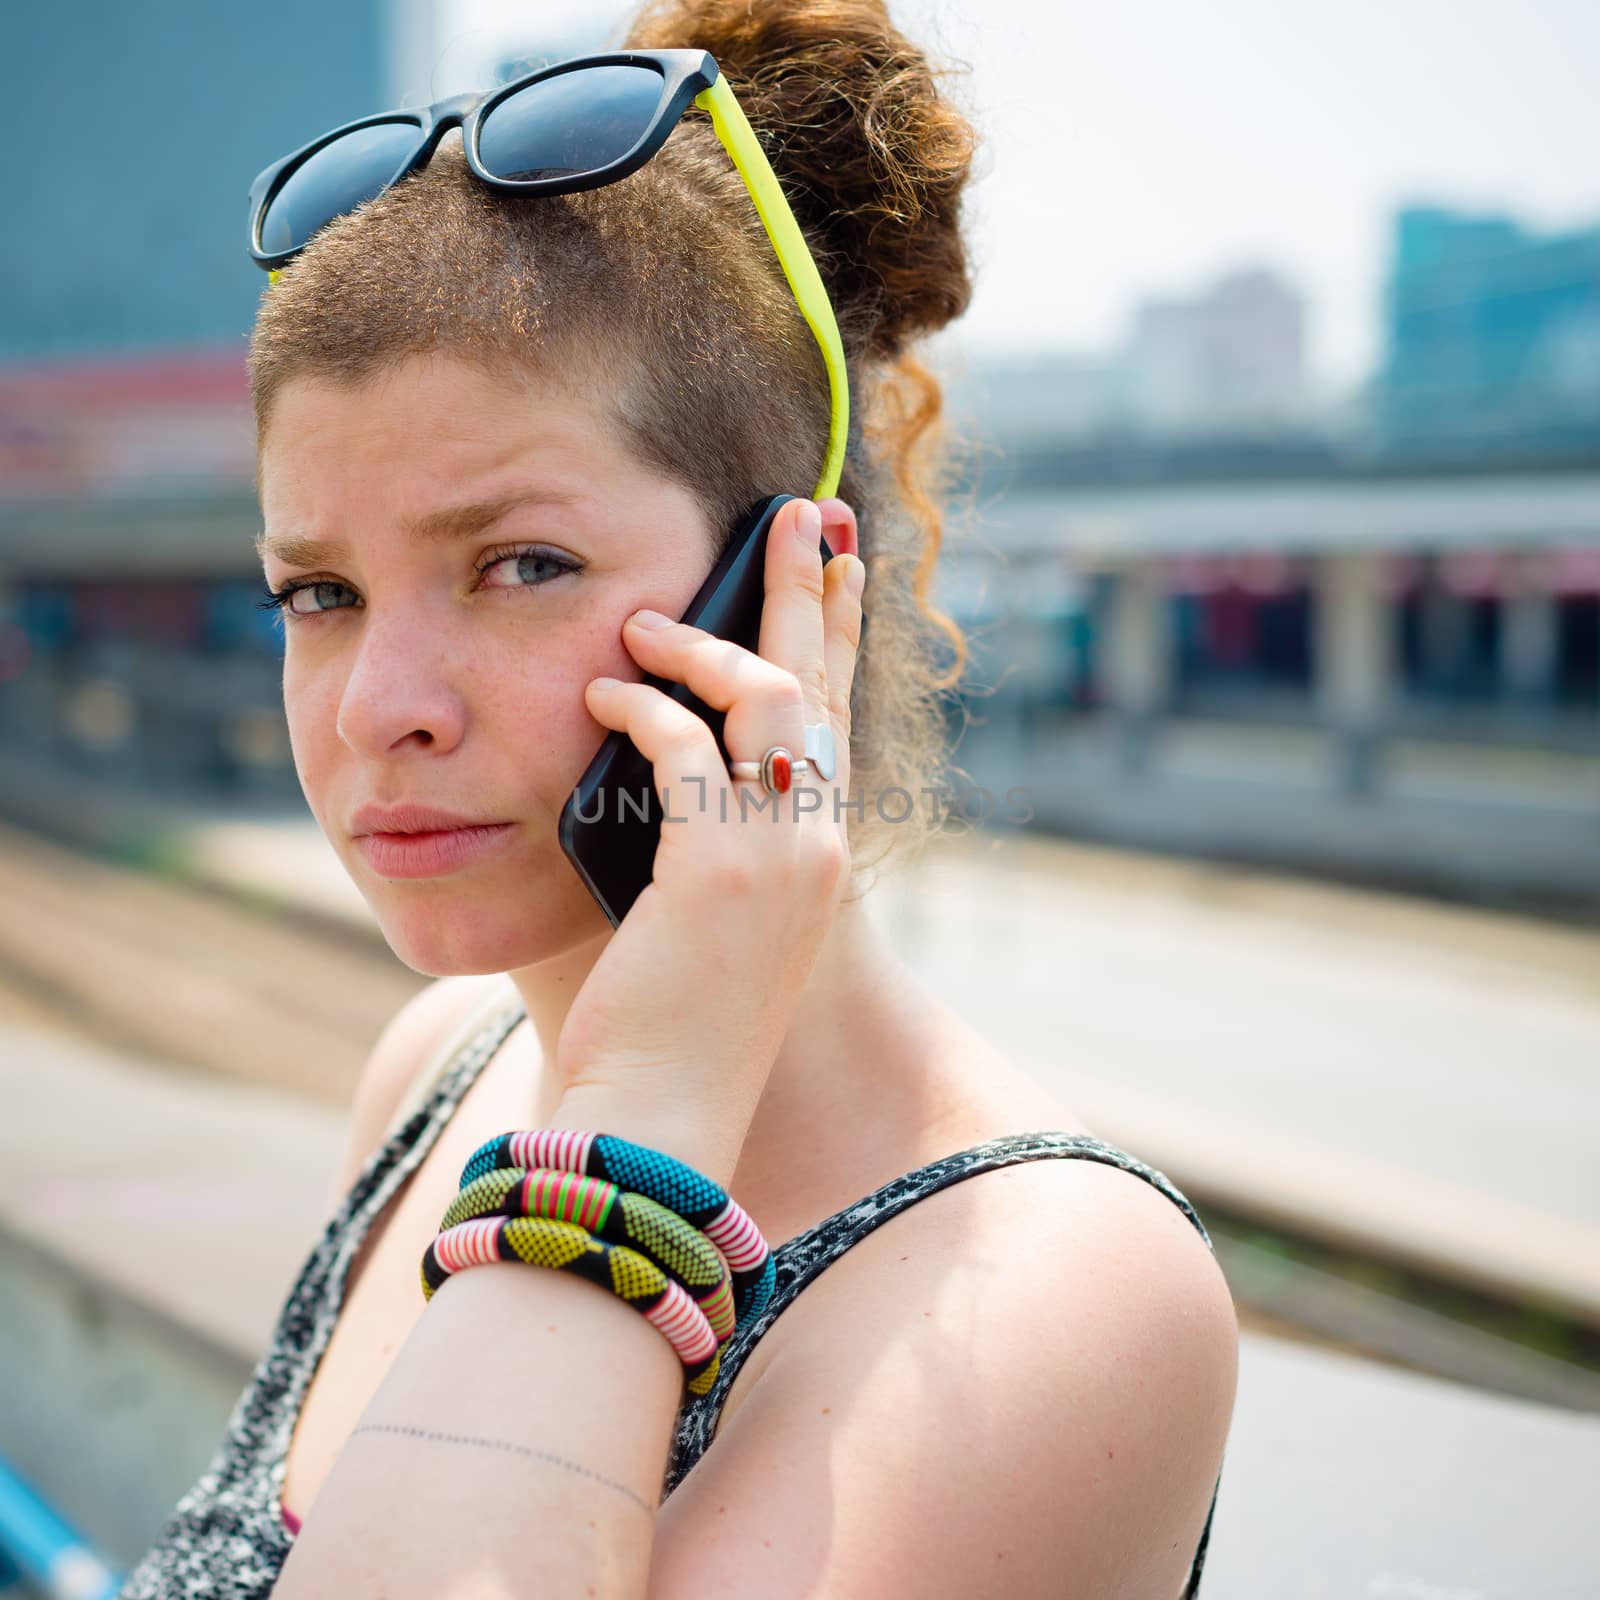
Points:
(505, 1444)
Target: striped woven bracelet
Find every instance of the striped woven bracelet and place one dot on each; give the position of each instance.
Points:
(662, 1178)
(633, 1278)
(680, 1249)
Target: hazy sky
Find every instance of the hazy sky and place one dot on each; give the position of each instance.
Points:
(1137, 147)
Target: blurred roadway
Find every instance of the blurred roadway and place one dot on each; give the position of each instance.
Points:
(1420, 1076)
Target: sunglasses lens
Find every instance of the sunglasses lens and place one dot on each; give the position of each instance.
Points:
(574, 122)
(334, 180)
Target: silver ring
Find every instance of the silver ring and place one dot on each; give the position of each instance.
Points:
(777, 762)
(820, 751)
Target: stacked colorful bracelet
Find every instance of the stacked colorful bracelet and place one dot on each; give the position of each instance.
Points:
(659, 1235)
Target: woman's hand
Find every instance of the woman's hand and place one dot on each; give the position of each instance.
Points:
(686, 1009)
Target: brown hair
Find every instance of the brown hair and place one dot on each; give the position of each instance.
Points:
(664, 293)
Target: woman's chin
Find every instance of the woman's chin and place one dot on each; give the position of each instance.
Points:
(466, 929)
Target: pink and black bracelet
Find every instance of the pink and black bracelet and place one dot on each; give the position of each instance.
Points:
(662, 1178)
(534, 1195)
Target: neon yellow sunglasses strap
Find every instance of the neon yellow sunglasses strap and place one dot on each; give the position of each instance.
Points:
(794, 255)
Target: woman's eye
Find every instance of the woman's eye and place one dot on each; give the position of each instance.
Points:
(284, 598)
(529, 569)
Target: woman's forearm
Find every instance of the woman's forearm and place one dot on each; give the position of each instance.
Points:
(518, 1443)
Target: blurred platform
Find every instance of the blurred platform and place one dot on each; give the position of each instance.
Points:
(1483, 821)
(150, 1226)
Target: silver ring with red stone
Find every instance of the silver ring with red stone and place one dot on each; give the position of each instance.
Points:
(777, 769)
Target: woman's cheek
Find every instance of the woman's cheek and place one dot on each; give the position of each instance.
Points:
(562, 725)
(310, 717)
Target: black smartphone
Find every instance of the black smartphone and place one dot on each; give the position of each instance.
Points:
(611, 823)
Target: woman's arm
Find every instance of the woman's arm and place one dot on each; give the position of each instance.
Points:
(519, 1441)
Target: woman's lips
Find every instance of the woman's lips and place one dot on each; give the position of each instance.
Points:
(429, 855)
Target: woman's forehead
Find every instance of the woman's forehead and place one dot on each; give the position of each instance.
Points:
(435, 401)
(338, 461)
(428, 439)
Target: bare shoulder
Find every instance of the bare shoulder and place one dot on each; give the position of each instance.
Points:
(1023, 1382)
(407, 1041)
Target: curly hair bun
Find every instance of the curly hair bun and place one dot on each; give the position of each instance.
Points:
(873, 158)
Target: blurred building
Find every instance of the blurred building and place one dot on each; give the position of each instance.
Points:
(132, 647)
(1231, 358)
(129, 642)
(1492, 336)
(147, 124)
(1039, 401)
(1376, 647)
(1392, 676)
(1229, 362)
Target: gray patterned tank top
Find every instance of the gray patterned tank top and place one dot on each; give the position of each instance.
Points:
(226, 1538)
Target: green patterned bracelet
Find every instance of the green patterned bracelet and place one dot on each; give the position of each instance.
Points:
(608, 1212)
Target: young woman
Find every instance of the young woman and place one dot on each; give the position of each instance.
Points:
(997, 1354)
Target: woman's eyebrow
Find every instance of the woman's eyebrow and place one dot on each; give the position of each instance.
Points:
(444, 525)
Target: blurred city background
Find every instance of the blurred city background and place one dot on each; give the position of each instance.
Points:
(1275, 525)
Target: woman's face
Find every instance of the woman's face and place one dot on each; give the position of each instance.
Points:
(447, 667)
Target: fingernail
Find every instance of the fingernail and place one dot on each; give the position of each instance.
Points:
(808, 525)
(650, 619)
(604, 683)
(856, 576)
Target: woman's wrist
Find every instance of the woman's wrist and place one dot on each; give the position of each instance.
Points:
(707, 1138)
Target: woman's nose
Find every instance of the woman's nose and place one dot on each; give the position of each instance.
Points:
(400, 687)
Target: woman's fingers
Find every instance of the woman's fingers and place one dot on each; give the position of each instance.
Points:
(791, 607)
(672, 738)
(841, 617)
(764, 702)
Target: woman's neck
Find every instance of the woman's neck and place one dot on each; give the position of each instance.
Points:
(856, 1081)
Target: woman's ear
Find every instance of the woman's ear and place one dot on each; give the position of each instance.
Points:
(838, 527)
